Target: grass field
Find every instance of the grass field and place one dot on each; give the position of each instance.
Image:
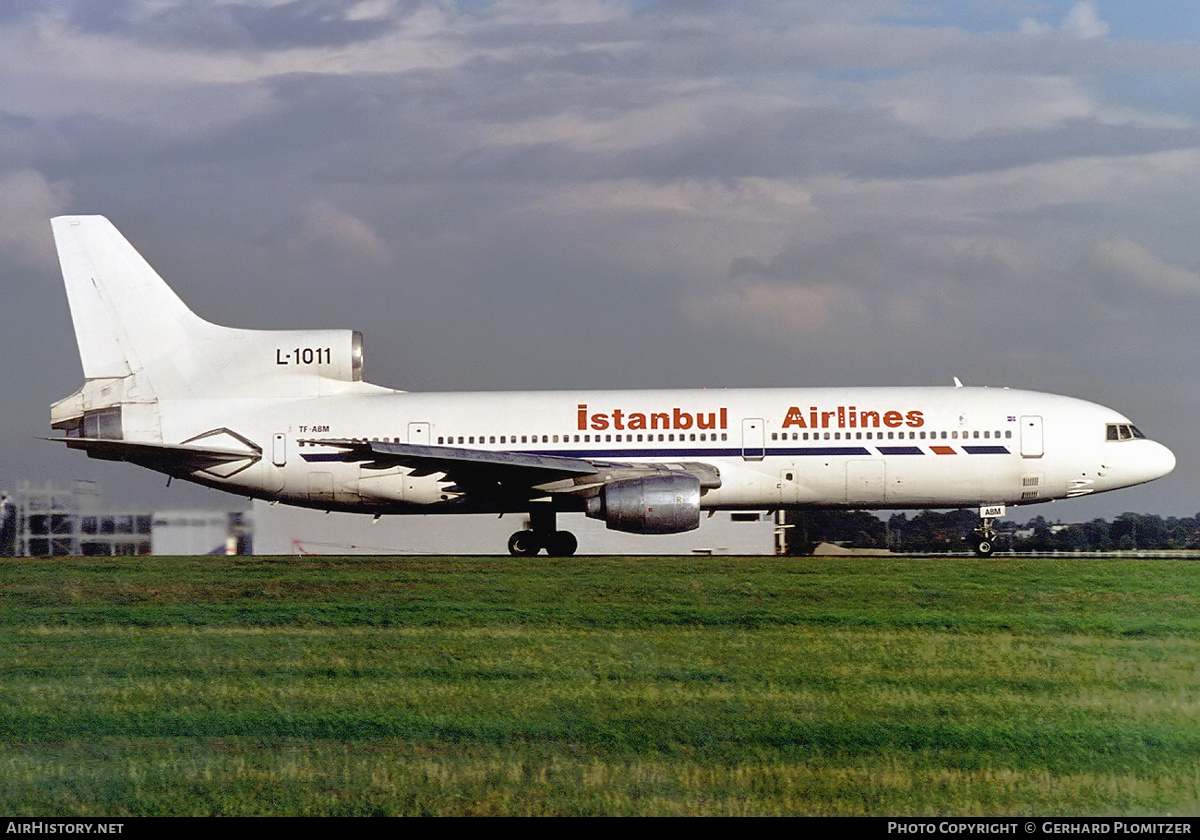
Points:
(657, 686)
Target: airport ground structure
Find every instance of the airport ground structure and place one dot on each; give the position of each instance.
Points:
(51, 520)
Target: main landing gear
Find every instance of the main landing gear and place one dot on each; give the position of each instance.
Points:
(542, 534)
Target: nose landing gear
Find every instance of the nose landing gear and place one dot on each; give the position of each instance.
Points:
(983, 539)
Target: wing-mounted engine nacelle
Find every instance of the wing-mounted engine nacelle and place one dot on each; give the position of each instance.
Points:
(667, 504)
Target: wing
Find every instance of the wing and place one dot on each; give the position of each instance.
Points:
(483, 470)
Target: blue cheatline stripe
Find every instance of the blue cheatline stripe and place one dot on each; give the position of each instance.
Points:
(725, 452)
(900, 450)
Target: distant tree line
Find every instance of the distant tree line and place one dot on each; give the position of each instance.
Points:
(936, 532)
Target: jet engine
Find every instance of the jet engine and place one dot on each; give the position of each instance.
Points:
(334, 354)
(665, 504)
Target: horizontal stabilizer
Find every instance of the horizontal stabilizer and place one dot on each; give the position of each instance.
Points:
(172, 459)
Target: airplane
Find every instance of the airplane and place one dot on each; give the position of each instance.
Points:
(286, 416)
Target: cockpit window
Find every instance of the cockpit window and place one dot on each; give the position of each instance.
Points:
(1122, 431)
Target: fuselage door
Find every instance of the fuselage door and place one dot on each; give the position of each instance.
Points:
(865, 481)
(754, 438)
(1032, 445)
(279, 449)
(418, 433)
(789, 486)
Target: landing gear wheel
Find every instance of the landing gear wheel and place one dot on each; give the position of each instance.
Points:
(985, 547)
(529, 543)
(524, 544)
(561, 544)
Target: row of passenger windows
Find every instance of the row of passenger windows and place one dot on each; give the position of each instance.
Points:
(986, 434)
(588, 438)
(705, 437)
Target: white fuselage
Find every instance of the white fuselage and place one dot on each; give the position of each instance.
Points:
(848, 447)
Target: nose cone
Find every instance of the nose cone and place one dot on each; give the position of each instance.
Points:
(1158, 461)
(1139, 461)
(1132, 462)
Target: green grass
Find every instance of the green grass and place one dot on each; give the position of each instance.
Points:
(175, 686)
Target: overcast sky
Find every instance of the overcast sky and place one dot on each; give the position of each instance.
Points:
(583, 194)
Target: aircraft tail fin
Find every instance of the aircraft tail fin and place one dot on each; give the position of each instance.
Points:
(125, 315)
(140, 344)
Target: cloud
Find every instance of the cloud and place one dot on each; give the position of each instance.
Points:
(787, 316)
(240, 25)
(330, 235)
(1124, 273)
(1082, 21)
(864, 191)
(972, 104)
(30, 201)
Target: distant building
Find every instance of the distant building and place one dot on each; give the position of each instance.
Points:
(50, 520)
(8, 526)
(190, 532)
(281, 530)
(69, 522)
